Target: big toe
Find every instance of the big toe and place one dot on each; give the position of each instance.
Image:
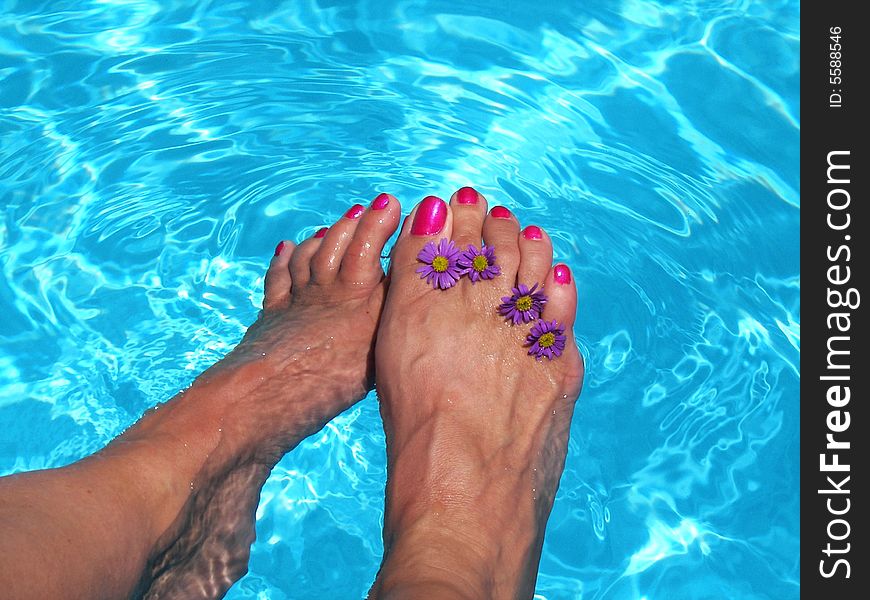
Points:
(361, 263)
(422, 233)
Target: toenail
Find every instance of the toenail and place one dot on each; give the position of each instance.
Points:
(467, 195)
(381, 202)
(279, 248)
(354, 211)
(431, 216)
(321, 232)
(562, 274)
(500, 212)
(532, 232)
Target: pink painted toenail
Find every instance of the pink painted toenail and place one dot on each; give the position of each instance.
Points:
(354, 211)
(381, 202)
(431, 216)
(467, 195)
(533, 232)
(500, 212)
(321, 232)
(279, 247)
(562, 274)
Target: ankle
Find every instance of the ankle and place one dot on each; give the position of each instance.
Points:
(462, 558)
(172, 451)
(478, 539)
(425, 561)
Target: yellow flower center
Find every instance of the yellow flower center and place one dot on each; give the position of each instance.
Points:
(547, 340)
(440, 264)
(524, 303)
(480, 263)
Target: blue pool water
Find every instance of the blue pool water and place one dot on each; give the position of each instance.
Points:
(153, 152)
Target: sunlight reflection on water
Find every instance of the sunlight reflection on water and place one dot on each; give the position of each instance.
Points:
(154, 152)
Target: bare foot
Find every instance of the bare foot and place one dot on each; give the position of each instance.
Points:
(308, 357)
(477, 429)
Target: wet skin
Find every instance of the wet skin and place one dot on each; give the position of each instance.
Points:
(476, 429)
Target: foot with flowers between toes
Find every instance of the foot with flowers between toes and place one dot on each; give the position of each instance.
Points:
(477, 374)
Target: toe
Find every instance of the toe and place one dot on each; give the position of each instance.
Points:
(562, 307)
(326, 261)
(278, 280)
(536, 255)
(469, 209)
(362, 260)
(300, 262)
(500, 230)
(430, 221)
(561, 297)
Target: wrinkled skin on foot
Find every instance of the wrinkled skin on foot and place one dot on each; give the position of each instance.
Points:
(308, 357)
(477, 429)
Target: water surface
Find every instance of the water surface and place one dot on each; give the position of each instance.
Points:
(152, 154)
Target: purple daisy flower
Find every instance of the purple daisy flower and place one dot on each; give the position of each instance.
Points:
(547, 338)
(479, 264)
(440, 269)
(525, 304)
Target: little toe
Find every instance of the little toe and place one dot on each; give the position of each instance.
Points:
(469, 209)
(561, 297)
(300, 262)
(536, 255)
(500, 230)
(561, 307)
(327, 259)
(362, 259)
(430, 221)
(278, 280)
